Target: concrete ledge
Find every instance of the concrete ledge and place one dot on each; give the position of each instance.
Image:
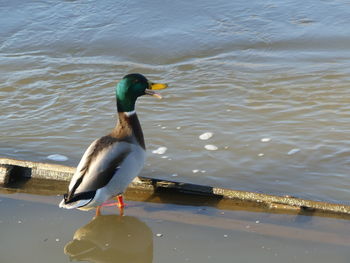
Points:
(38, 170)
(5, 171)
(12, 170)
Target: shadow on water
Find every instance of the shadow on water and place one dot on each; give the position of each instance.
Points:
(111, 238)
(182, 194)
(305, 215)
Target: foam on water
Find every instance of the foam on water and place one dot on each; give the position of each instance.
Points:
(206, 136)
(210, 147)
(160, 150)
(293, 151)
(57, 157)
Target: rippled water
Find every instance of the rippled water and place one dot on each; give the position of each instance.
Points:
(268, 79)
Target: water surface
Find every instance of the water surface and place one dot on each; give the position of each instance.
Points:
(42, 232)
(268, 79)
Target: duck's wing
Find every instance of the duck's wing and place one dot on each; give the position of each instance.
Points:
(82, 166)
(97, 166)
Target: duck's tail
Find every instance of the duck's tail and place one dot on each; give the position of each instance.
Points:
(71, 205)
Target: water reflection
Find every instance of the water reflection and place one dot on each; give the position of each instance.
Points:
(112, 238)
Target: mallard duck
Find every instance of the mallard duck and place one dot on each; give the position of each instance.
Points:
(111, 162)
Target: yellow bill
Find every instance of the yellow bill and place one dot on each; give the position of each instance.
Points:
(155, 86)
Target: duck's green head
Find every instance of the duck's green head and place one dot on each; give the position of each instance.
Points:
(132, 86)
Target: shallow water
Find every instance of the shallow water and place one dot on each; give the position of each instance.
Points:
(149, 232)
(268, 79)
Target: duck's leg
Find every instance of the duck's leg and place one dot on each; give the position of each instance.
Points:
(121, 204)
(98, 211)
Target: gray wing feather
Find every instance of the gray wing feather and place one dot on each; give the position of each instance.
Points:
(81, 168)
(98, 165)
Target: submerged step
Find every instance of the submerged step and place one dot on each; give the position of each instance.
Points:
(12, 170)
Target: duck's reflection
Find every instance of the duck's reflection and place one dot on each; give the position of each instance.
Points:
(112, 238)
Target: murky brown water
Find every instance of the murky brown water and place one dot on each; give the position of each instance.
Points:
(268, 79)
(34, 229)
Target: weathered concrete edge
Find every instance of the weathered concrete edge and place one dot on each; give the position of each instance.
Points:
(19, 168)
